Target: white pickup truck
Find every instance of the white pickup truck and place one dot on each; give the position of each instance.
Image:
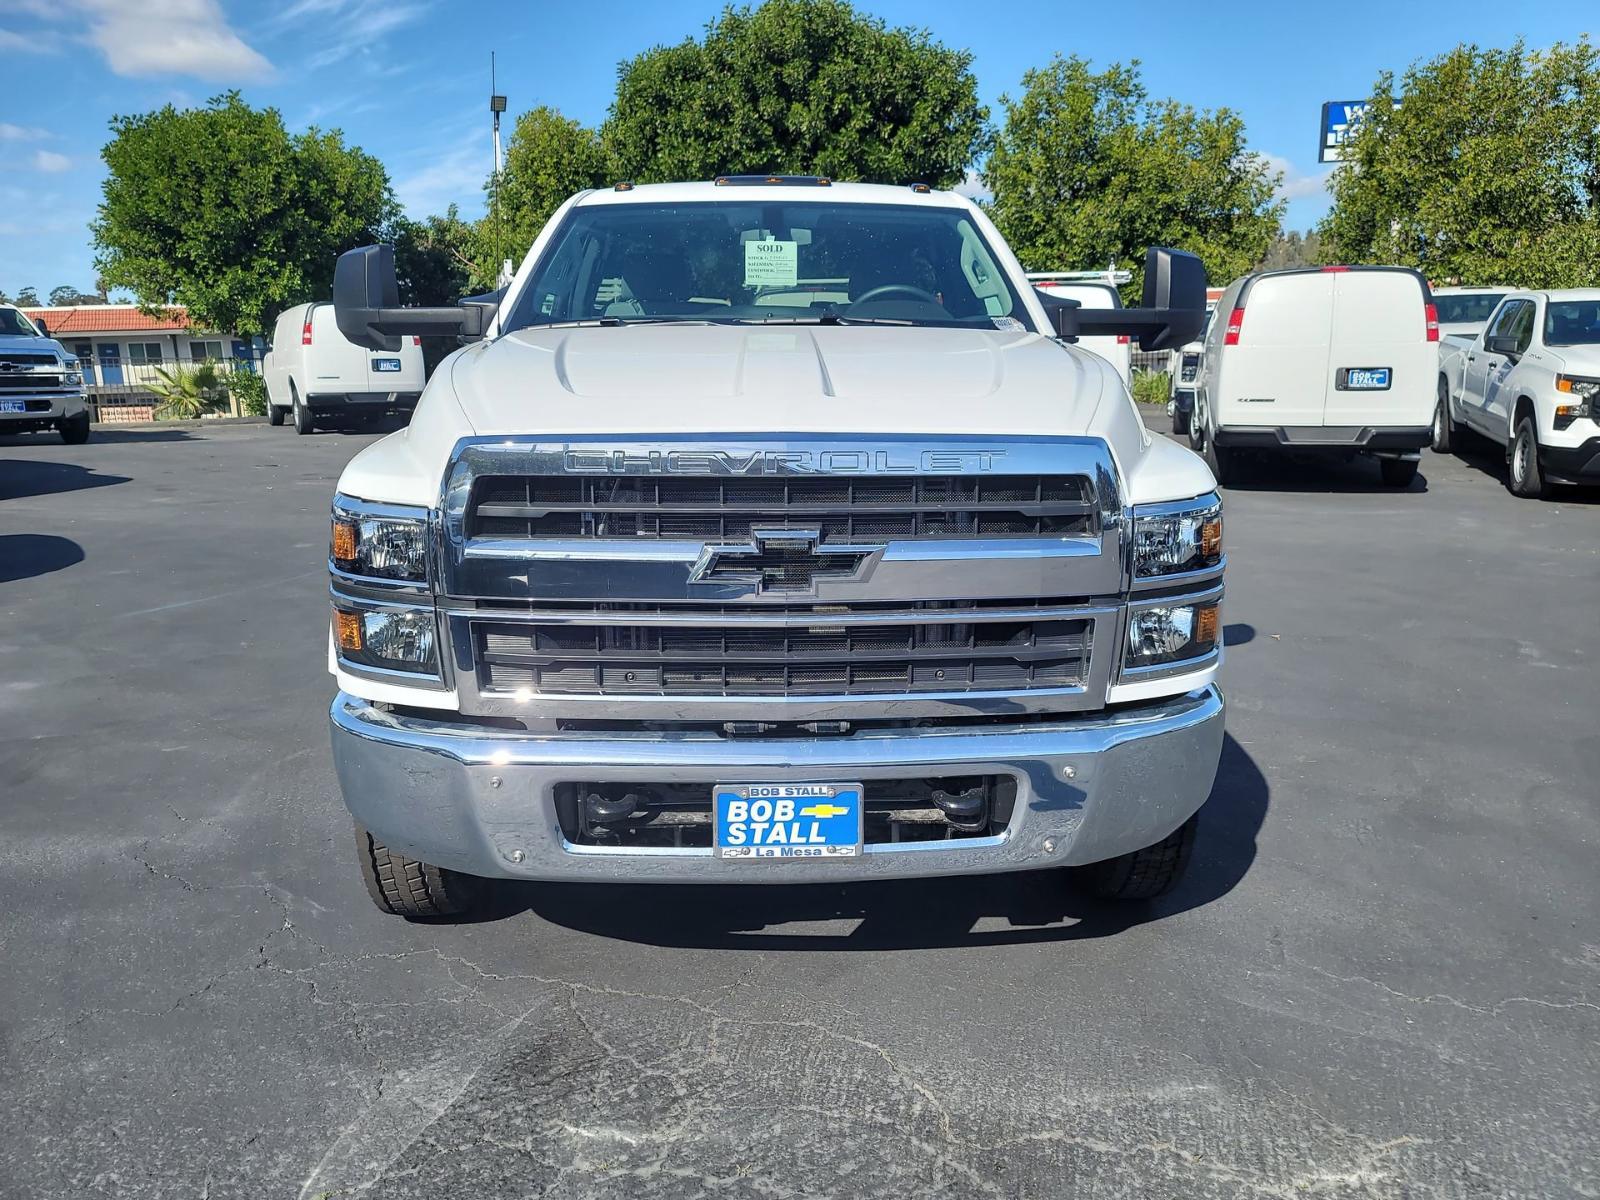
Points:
(772, 530)
(41, 385)
(1530, 382)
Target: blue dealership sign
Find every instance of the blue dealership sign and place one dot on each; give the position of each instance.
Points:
(1339, 121)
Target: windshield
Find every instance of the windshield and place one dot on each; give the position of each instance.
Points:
(754, 261)
(14, 324)
(1473, 308)
(1572, 323)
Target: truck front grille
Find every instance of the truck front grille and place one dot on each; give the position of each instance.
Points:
(844, 509)
(20, 381)
(815, 653)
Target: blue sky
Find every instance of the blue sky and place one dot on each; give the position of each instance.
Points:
(408, 79)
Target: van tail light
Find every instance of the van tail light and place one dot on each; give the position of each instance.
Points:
(1432, 314)
(1124, 339)
(1230, 337)
(416, 341)
(305, 331)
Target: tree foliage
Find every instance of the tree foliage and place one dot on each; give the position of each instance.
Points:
(1481, 165)
(1089, 169)
(27, 298)
(222, 210)
(66, 296)
(433, 259)
(1292, 249)
(798, 87)
(548, 158)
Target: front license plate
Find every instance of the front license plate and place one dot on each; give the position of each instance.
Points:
(787, 820)
(386, 364)
(1365, 379)
(7, 406)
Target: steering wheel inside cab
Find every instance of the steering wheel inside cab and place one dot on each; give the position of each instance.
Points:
(891, 299)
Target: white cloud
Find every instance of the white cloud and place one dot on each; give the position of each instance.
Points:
(348, 27)
(39, 41)
(453, 176)
(21, 133)
(1297, 185)
(164, 37)
(972, 187)
(50, 162)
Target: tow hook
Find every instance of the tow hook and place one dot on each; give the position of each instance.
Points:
(966, 810)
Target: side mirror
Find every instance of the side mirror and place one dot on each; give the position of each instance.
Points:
(1172, 313)
(44, 330)
(1501, 343)
(366, 304)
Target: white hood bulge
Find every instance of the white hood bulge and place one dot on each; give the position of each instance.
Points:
(679, 378)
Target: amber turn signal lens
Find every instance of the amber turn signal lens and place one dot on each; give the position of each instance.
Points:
(1205, 625)
(1211, 538)
(347, 628)
(344, 541)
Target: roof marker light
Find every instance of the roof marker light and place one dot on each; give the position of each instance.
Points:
(1334, 269)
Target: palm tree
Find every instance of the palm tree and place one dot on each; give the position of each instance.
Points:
(186, 393)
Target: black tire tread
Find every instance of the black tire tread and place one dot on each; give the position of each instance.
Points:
(408, 887)
(1142, 874)
(75, 430)
(1534, 486)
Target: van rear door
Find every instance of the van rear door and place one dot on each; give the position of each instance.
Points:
(396, 371)
(334, 366)
(1273, 375)
(1381, 366)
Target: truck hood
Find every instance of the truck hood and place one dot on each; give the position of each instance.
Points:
(32, 345)
(1578, 360)
(658, 379)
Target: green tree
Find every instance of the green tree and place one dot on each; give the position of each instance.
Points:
(66, 294)
(548, 158)
(1292, 249)
(433, 258)
(1482, 165)
(798, 86)
(27, 298)
(1088, 169)
(222, 210)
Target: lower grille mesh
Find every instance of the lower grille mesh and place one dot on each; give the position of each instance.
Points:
(835, 658)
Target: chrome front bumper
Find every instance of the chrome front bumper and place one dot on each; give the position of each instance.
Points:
(482, 801)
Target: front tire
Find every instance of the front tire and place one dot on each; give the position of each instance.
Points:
(1444, 426)
(1143, 874)
(1524, 476)
(1181, 421)
(1398, 472)
(407, 887)
(75, 429)
(274, 414)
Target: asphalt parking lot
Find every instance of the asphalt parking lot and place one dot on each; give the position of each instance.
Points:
(1381, 977)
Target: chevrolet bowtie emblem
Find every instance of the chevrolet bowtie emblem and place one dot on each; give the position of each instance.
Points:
(824, 810)
(780, 560)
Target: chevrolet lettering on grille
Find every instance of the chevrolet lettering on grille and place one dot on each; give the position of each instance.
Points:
(780, 560)
(779, 462)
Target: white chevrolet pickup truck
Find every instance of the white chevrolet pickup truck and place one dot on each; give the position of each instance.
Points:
(1529, 381)
(772, 530)
(41, 385)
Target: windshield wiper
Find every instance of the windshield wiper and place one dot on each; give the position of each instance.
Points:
(826, 318)
(609, 322)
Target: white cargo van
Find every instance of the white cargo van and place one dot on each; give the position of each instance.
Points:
(1328, 360)
(314, 374)
(1118, 351)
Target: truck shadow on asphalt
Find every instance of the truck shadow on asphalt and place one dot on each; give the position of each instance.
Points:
(21, 477)
(1329, 475)
(925, 914)
(1484, 456)
(24, 555)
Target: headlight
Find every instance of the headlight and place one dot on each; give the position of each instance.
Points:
(1171, 633)
(1169, 539)
(1577, 385)
(383, 547)
(395, 640)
